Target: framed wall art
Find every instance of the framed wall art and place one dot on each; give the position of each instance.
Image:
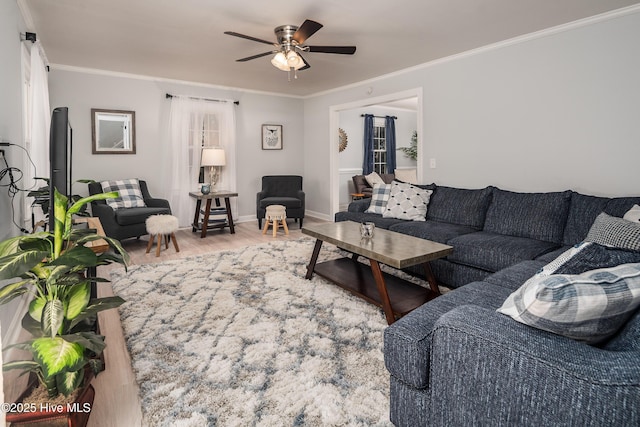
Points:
(272, 137)
(113, 131)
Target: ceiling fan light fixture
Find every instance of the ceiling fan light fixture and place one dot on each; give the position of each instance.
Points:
(280, 61)
(294, 60)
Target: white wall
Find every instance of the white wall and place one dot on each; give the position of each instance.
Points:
(547, 113)
(81, 90)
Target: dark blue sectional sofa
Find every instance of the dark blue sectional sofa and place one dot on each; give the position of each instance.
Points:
(456, 361)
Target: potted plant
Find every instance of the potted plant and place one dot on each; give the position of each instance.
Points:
(42, 199)
(412, 150)
(52, 267)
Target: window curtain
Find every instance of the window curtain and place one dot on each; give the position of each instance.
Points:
(390, 139)
(38, 121)
(367, 162)
(187, 119)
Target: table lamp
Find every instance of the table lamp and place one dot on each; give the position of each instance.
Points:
(213, 158)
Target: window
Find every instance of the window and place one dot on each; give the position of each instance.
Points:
(205, 132)
(379, 147)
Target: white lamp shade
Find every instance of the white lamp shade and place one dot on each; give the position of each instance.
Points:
(213, 157)
(280, 62)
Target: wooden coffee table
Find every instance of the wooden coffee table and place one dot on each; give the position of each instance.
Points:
(396, 296)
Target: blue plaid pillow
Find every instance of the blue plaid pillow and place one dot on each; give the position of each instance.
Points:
(379, 198)
(589, 307)
(130, 194)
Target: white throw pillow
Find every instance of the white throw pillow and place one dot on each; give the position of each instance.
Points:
(408, 202)
(406, 175)
(633, 214)
(373, 178)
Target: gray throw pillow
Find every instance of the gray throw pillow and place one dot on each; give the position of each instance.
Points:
(130, 195)
(379, 198)
(408, 202)
(616, 232)
(589, 307)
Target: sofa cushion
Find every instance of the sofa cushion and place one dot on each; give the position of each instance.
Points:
(633, 214)
(588, 307)
(361, 217)
(288, 202)
(129, 193)
(437, 231)
(407, 201)
(617, 232)
(618, 206)
(379, 198)
(513, 277)
(493, 252)
(539, 216)
(460, 206)
(583, 211)
(373, 178)
(132, 216)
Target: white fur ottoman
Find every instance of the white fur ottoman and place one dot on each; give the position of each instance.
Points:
(276, 216)
(162, 226)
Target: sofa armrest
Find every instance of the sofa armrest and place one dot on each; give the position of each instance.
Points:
(107, 216)
(492, 365)
(359, 205)
(301, 196)
(157, 203)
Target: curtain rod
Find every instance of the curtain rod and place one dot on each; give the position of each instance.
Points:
(380, 117)
(204, 99)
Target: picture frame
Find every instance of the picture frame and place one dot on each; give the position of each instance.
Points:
(271, 137)
(113, 131)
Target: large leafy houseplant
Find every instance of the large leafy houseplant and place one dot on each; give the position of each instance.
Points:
(412, 150)
(53, 266)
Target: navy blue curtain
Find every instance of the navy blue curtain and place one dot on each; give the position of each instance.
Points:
(367, 162)
(390, 136)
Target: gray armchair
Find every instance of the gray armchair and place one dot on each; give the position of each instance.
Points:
(283, 190)
(128, 222)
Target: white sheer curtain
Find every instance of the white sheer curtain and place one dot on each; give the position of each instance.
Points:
(38, 120)
(189, 121)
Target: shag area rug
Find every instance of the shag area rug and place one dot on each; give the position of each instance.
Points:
(241, 338)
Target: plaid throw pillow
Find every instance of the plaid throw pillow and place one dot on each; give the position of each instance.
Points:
(588, 307)
(379, 198)
(616, 232)
(130, 194)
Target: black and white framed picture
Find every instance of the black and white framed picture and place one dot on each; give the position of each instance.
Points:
(272, 137)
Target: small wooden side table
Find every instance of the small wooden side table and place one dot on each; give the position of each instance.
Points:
(205, 225)
(357, 196)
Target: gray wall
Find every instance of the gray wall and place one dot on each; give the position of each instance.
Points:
(548, 113)
(81, 90)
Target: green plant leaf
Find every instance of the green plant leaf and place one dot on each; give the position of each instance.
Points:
(36, 306)
(56, 355)
(16, 264)
(89, 340)
(59, 221)
(12, 290)
(68, 382)
(31, 325)
(96, 306)
(52, 317)
(77, 298)
(78, 256)
(25, 365)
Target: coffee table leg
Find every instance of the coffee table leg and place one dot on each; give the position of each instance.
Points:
(314, 259)
(382, 289)
(433, 284)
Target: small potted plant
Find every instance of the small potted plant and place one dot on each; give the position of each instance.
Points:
(52, 266)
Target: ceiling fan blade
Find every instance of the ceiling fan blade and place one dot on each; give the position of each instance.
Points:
(306, 30)
(342, 50)
(243, 36)
(260, 55)
(306, 64)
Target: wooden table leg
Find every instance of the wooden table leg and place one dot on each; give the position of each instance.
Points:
(382, 289)
(205, 221)
(227, 205)
(431, 278)
(196, 217)
(314, 259)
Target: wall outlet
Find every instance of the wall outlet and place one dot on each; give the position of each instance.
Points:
(432, 163)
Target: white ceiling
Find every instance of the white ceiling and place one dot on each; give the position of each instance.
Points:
(184, 40)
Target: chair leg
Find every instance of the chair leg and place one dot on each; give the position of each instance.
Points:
(175, 242)
(286, 228)
(150, 244)
(301, 223)
(259, 223)
(266, 226)
(160, 238)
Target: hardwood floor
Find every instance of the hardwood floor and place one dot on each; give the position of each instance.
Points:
(117, 402)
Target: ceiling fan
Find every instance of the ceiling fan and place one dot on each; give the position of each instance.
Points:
(290, 45)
